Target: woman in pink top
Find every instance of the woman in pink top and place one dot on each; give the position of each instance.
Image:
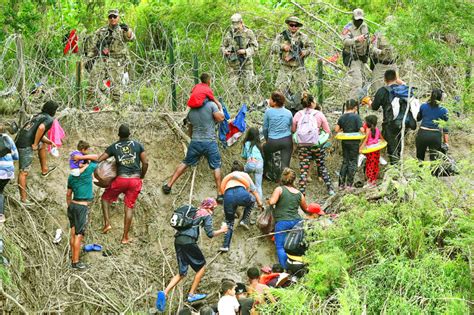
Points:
(307, 124)
(373, 136)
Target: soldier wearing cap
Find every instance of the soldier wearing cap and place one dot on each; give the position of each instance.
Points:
(108, 53)
(356, 52)
(383, 57)
(238, 47)
(293, 46)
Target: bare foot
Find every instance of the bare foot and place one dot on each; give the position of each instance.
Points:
(126, 241)
(106, 229)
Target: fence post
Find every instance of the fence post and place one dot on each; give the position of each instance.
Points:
(21, 83)
(174, 101)
(195, 69)
(78, 83)
(320, 82)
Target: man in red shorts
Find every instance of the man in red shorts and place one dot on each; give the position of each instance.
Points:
(132, 165)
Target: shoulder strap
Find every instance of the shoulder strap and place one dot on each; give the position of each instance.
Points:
(286, 36)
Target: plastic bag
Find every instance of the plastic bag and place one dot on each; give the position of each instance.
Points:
(105, 173)
(360, 160)
(265, 221)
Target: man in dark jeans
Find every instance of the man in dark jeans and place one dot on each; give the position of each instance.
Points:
(391, 133)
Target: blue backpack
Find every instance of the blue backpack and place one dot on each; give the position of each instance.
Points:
(399, 94)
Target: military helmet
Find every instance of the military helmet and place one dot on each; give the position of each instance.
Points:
(236, 18)
(114, 12)
(293, 19)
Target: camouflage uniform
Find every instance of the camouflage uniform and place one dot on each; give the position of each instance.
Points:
(108, 67)
(292, 74)
(241, 70)
(354, 79)
(382, 54)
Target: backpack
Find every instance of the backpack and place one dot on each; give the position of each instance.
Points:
(182, 217)
(274, 167)
(308, 131)
(294, 241)
(399, 100)
(4, 147)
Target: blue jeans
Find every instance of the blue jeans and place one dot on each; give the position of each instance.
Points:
(208, 149)
(280, 239)
(234, 197)
(255, 167)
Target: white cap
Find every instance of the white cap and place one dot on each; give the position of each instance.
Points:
(236, 18)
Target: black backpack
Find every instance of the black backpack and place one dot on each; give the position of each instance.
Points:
(274, 167)
(4, 147)
(182, 217)
(294, 241)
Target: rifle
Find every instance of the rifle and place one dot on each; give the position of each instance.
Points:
(295, 50)
(242, 59)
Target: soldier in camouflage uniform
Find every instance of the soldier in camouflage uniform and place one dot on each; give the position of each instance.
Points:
(293, 46)
(383, 57)
(109, 51)
(238, 47)
(356, 44)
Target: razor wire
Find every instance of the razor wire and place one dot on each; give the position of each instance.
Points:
(149, 87)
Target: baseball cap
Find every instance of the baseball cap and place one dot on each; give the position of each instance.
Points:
(113, 12)
(358, 14)
(124, 131)
(236, 18)
(240, 288)
(315, 208)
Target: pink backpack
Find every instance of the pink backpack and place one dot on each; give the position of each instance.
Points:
(307, 131)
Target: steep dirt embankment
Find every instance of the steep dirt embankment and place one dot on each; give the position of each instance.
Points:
(127, 279)
(39, 277)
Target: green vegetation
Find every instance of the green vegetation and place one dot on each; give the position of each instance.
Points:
(408, 253)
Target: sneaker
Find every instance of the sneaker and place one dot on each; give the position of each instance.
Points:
(220, 199)
(166, 189)
(196, 297)
(161, 301)
(224, 249)
(331, 192)
(244, 225)
(2, 218)
(350, 188)
(51, 169)
(79, 266)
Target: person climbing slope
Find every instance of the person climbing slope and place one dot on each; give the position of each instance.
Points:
(189, 254)
(239, 190)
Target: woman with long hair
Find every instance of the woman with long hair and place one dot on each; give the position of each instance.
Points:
(431, 135)
(287, 200)
(253, 153)
(308, 152)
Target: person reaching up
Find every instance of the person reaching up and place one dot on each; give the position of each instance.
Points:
(188, 252)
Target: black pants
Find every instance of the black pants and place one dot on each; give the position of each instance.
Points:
(285, 145)
(393, 136)
(350, 153)
(428, 139)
